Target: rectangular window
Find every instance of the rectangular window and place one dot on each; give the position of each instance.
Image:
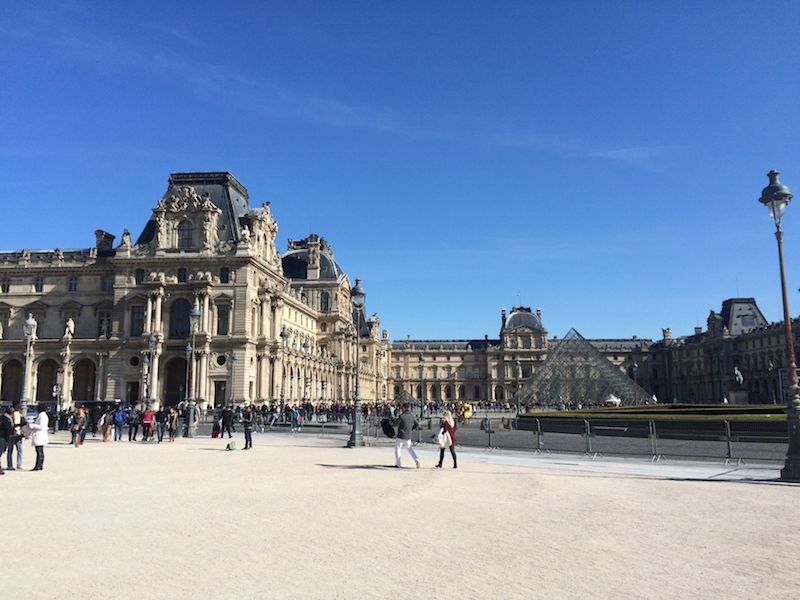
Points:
(476, 373)
(104, 323)
(138, 276)
(107, 283)
(462, 372)
(224, 275)
(182, 275)
(137, 321)
(223, 318)
(38, 285)
(72, 284)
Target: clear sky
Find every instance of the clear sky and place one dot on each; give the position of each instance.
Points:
(599, 160)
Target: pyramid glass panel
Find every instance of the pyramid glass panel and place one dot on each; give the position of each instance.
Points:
(576, 372)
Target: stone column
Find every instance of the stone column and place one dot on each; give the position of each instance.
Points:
(206, 324)
(66, 384)
(159, 325)
(148, 315)
(100, 374)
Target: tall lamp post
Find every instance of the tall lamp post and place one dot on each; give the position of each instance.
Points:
(518, 366)
(29, 327)
(357, 296)
(776, 198)
(284, 337)
(194, 322)
(306, 378)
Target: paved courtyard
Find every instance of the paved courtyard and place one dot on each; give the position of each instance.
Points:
(301, 517)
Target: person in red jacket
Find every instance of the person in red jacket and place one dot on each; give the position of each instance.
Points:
(148, 418)
(448, 431)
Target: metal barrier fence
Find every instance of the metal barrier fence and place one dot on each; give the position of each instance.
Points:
(737, 441)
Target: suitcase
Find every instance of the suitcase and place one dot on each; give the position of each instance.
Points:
(215, 430)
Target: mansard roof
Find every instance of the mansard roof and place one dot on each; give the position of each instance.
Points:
(222, 189)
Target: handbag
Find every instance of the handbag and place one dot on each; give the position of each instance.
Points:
(443, 438)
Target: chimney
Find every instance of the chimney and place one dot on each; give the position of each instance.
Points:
(698, 330)
(502, 319)
(539, 313)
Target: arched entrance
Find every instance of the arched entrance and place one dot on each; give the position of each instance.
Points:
(83, 381)
(175, 381)
(46, 380)
(12, 381)
(499, 394)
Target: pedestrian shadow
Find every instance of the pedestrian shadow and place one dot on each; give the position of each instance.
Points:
(368, 467)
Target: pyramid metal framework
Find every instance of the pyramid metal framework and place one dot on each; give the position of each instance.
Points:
(577, 372)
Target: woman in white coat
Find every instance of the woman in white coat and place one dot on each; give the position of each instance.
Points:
(39, 429)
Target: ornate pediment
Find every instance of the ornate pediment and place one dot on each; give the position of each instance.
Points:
(187, 199)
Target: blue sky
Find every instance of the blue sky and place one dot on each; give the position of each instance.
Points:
(599, 160)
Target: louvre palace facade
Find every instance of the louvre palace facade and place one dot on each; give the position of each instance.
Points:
(201, 305)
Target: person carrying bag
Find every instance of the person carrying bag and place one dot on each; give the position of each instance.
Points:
(446, 438)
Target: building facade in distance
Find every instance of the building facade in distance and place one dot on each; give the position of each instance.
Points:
(114, 322)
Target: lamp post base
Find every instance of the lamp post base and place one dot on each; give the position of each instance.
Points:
(356, 441)
(791, 469)
(191, 429)
(356, 437)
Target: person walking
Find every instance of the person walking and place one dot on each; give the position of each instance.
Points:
(119, 422)
(39, 429)
(161, 421)
(172, 423)
(406, 424)
(106, 421)
(16, 438)
(148, 417)
(447, 436)
(133, 423)
(78, 427)
(226, 422)
(6, 434)
(247, 423)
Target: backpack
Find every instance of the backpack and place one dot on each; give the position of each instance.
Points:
(119, 417)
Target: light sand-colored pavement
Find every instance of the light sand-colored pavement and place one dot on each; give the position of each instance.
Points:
(301, 517)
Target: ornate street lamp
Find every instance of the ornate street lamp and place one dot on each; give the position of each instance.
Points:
(776, 198)
(518, 366)
(29, 327)
(357, 297)
(284, 337)
(306, 378)
(194, 322)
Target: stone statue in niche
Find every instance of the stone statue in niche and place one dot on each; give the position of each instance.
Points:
(161, 231)
(69, 328)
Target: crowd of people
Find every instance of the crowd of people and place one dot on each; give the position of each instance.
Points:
(169, 422)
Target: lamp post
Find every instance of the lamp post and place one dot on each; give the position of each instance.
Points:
(518, 366)
(194, 322)
(284, 337)
(29, 327)
(306, 378)
(776, 198)
(357, 296)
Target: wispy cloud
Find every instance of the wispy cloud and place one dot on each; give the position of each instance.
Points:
(272, 99)
(644, 157)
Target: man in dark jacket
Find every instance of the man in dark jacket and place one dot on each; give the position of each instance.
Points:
(6, 434)
(133, 423)
(247, 421)
(227, 422)
(406, 424)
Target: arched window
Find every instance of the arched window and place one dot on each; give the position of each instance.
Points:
(325, 302)
(185, 234)
(179, 318)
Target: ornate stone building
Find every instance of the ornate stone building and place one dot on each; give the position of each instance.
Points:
(740, 357)
(114, 322)
(490, 370)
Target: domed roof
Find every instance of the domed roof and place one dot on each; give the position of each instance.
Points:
(523, 317)
(302, 253)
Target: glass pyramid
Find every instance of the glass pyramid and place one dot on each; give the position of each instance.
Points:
(576, 372)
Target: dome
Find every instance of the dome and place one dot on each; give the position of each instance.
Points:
(297, 258)
(523, 317)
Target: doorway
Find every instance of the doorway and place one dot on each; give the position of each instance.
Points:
(175, 381)
(220, 393)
